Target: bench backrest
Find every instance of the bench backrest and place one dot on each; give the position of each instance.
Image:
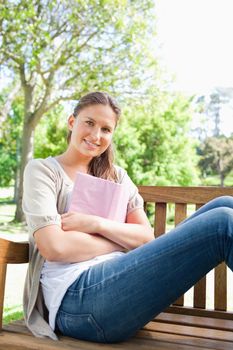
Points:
(181, 197)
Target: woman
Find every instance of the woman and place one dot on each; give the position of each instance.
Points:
(92, 288)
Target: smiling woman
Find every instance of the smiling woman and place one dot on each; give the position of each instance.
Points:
(64, 250)
(91, 128)
(87, 273)
(91, 133)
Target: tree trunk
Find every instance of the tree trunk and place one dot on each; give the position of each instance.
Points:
(222, 178)
(26, 155)
(16, 185)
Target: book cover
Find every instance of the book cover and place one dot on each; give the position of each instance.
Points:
(96, 196)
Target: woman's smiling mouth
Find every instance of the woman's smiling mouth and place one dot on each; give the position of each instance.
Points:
(91, 145)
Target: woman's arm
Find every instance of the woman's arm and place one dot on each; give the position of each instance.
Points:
(54, 244)
(135, 232)
(132, 234)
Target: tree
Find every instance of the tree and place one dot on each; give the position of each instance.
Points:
(209, 111)
(11, 129)
(153, 144)
(61, 49)
(217, 157)
(51, 134)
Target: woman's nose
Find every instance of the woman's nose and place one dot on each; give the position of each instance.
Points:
(96, 133)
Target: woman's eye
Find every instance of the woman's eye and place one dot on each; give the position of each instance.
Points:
(89, 122)
(106, 130)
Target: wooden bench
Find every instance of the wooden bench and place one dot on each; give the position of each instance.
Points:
(178, 327)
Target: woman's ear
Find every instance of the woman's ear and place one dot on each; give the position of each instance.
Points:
(71, 121)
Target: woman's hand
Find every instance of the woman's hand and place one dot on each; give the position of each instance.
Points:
(73, 221)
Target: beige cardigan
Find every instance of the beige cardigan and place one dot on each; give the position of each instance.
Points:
(46, 192)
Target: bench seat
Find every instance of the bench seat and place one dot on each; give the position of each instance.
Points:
(168, 331)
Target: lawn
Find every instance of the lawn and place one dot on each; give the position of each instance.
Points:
(7, 211)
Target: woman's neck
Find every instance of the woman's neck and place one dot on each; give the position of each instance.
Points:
(72, 164)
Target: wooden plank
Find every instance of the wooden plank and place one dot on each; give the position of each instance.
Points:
(180, 215)
(200, 287)
(220, 287)
(3, 268)
(185, 310)
(180, 212)
(160, 218)
(190, 331)
(23, 342)
(145, 207)
(200, 294)
(198, 343)
(198, 206)
(13, 252)
(189, 195)
(187, 320)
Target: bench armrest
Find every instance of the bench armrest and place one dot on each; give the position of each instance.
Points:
(13, 252)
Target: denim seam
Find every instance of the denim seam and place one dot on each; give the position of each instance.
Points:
(94, 323)
(116, 276)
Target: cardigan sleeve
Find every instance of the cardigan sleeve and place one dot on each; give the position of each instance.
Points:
(40, 195)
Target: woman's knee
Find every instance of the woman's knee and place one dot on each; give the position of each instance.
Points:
(224, 217)
(223, 201)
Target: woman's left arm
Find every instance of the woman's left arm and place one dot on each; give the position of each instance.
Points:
(132, 234)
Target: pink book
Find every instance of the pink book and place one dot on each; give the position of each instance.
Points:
(96, 196)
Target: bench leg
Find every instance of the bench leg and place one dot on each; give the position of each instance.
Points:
(3, 268)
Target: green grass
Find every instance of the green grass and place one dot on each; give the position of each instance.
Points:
(7, 212)
(215, 181)
(13, 313)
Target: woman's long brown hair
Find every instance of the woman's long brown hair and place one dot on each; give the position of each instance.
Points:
(101, 166)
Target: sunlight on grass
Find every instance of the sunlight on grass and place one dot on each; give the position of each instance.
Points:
(12, 314)
(7, 212)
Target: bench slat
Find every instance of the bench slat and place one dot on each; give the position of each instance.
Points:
(199, 332)
(160, 218)
(180, 212)
(180, 340)
(190, 320)
(13, 252)
(199, 296)
(3, 268)
(180, 215)
(220, 287)
(189, 195)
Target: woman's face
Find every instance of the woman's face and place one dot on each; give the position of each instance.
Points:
(92, 130)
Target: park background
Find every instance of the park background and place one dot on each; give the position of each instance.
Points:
(168, 63)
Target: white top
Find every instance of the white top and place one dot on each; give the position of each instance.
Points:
(57, 277)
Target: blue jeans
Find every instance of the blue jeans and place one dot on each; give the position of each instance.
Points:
(114, 299)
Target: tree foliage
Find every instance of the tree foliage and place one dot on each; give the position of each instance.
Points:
(11, 129)
(51, 133)
(217, 157)
(59, 50)
(209, 110)
(153, 144)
